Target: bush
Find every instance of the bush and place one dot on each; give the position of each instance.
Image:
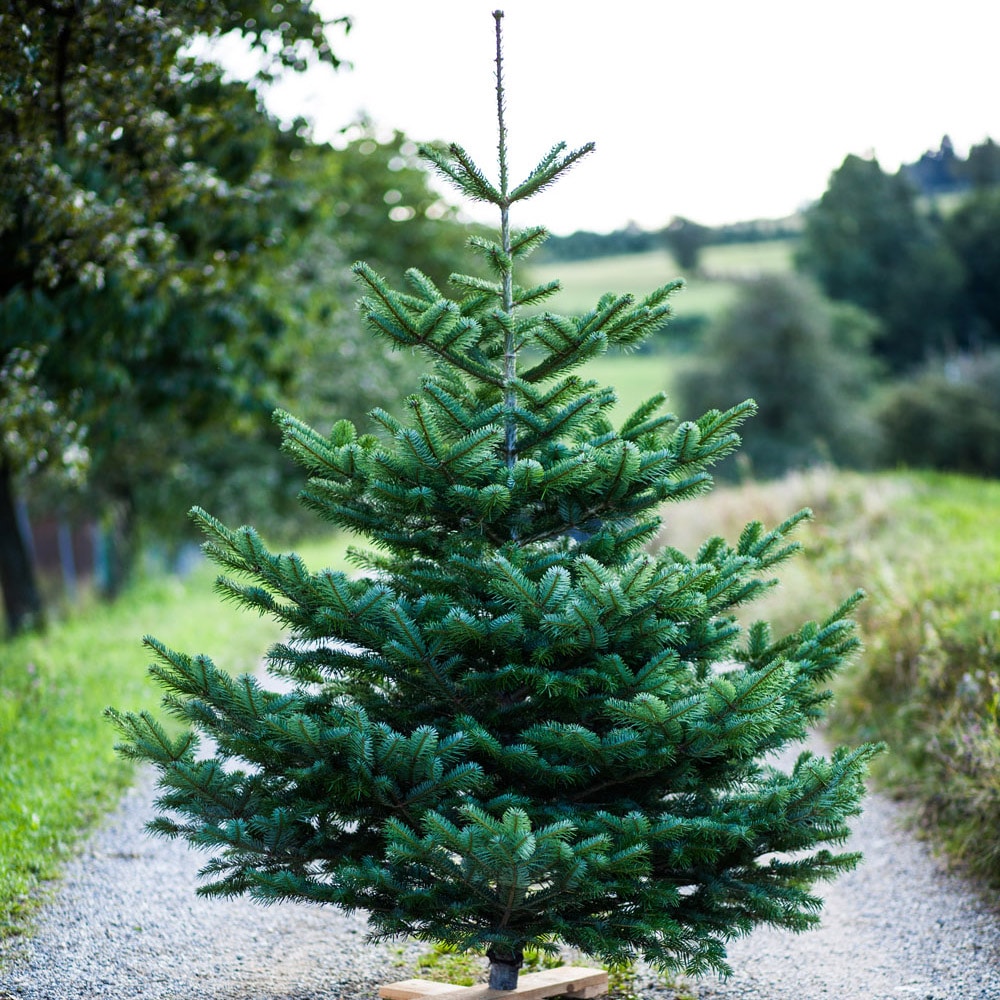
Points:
(947, 418)
(804, 360)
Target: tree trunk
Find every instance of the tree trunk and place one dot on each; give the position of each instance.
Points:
(122, 540)
(21, 598)
(504, 969)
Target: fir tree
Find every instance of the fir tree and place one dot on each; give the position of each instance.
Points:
(515, 726)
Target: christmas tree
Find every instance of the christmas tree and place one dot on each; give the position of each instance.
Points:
(514, 726)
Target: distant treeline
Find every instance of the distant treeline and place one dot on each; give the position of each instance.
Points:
(583, 245)
(936, 172)
(942, 171)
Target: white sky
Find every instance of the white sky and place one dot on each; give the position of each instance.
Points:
(718, 110)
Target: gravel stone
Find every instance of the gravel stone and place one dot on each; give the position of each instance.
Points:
(125, 924)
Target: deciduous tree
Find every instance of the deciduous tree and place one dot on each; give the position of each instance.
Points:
(108, 166)
(867, 242)
(807, 363)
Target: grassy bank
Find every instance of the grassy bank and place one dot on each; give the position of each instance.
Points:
(926, 548)
(58, 769)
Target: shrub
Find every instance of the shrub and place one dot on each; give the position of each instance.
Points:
(947, 418)
(804, 361)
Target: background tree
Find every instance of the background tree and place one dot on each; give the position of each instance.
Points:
(104, 156)
(937, 171)
(34, 436)
(515, 727)
(685, 240)
(866, 242)
(945, 416)
(373, 194)
(982, 166)
(804, 360)
(179, 357)
(973, 232)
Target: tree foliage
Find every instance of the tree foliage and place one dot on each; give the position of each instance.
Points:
(136, 188)
(514, 726)
(97, 127)
(686, 239)
(946, 416)
(982, 167)
(805, 361)
(866, 242)
(973, 232)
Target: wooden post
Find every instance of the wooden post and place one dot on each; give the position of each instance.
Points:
(568, 980)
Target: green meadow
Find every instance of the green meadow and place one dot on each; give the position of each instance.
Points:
(707, 293)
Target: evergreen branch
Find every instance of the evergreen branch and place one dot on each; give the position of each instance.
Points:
(608, 309)
(453, 402)
(436, 326)
(428, 291)
(403, 329)
(566, 349)
(549, 168)
(558, 423)
(498, 261)
(470, 444)
(458, 167)
(527, 241)
(638, 422)
(477, 284)
(542, 401)
(429, 436)
(537, 293)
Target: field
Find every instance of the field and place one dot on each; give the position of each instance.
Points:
(636, 377)
(706, 294)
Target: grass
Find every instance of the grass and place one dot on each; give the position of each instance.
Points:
(708, 294)
(584, 282)
(926, 548)
(748, 260)
(58, 769)
(636, 377)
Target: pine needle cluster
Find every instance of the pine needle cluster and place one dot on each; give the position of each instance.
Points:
(514, 725)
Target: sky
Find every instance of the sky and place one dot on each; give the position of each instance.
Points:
(715, 110)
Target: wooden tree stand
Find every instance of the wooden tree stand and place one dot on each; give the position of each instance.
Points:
(568, 980)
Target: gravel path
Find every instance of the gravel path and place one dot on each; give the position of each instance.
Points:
(126, 924)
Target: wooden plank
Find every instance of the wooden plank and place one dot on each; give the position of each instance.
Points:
(417, 989)
(568, 980)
